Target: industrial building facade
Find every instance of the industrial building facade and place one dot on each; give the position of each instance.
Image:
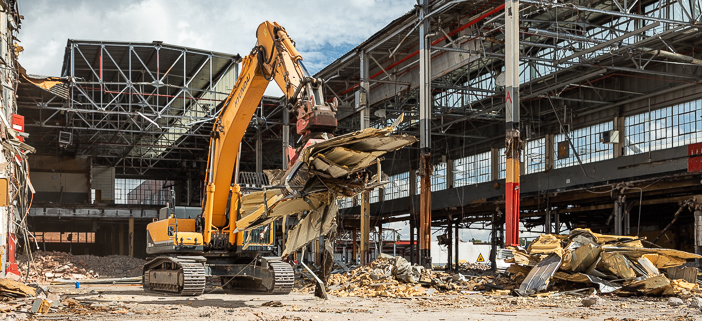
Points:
(611, 125)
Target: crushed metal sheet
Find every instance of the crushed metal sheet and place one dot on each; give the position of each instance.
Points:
(546, 244)
(599, 238)
(381, 143)
(519, 258)
(663, 261)
(604, 285)
(282, 207)
(351, 138)
(656, 285)
(540, 275)
(322, 171)
(646, 264)
(253, 203)
(674, 255)
(580, 240)
(316, 223)
(580, 259)
(55, 85)
(351, 159)
(618, 265)
(324, 165)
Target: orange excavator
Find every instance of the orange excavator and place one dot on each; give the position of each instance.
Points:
(192, 244)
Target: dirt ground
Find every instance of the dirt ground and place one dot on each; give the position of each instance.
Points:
(129, 302)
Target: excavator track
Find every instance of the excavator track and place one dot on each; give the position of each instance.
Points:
(177, 275)
(271, 276)
(283, 276)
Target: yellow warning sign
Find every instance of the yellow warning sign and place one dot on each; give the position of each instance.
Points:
(480, 258)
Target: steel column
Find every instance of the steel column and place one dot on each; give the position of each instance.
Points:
(365, 226)
(513, 141)
(425, 105)
(456, 238)
(412, 246)
(131, 236)
(354, 251)
(449, 258)
(493, 241)
(362, 102)
(698, 232)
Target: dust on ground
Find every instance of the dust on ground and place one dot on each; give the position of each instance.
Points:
(129, 302)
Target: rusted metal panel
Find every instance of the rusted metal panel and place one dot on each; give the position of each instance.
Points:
(694, 162)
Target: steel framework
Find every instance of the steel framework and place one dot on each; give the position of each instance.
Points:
(137, 106)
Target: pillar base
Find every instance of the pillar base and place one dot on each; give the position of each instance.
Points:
(426, 259)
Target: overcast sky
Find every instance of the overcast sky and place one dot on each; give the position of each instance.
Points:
(323, 30)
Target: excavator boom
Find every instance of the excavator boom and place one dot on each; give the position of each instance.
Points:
(233, 235)
(213, 235)
(273, 58)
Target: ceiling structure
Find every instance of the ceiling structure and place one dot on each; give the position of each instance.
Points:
(579, 46)
(149, 109)
(135, 106)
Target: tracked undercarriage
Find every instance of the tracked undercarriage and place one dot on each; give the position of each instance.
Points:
(186, 275)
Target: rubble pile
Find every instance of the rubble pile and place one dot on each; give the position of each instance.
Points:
(474, 267)
(609, 263)
(390, 276)
(23, 301)
(48, 266)
(386, 276)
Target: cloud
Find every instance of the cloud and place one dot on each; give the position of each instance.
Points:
(323, 30)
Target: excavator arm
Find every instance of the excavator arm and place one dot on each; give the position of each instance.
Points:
(323, 168)
(273, 58)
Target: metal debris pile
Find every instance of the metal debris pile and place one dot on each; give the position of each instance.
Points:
(19, 300)
(609, 263)
(45, 267)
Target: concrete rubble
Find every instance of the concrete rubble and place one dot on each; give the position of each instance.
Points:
(22, 301)
(389, 276)
(46, 267)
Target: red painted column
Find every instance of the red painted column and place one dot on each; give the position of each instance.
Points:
(512, 199)
(513, 144)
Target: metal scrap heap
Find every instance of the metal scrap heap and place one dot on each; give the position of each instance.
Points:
(620, 265)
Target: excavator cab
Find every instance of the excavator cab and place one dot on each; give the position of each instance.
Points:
(174, 231)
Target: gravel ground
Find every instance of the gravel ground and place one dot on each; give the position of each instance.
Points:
(129, 302)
